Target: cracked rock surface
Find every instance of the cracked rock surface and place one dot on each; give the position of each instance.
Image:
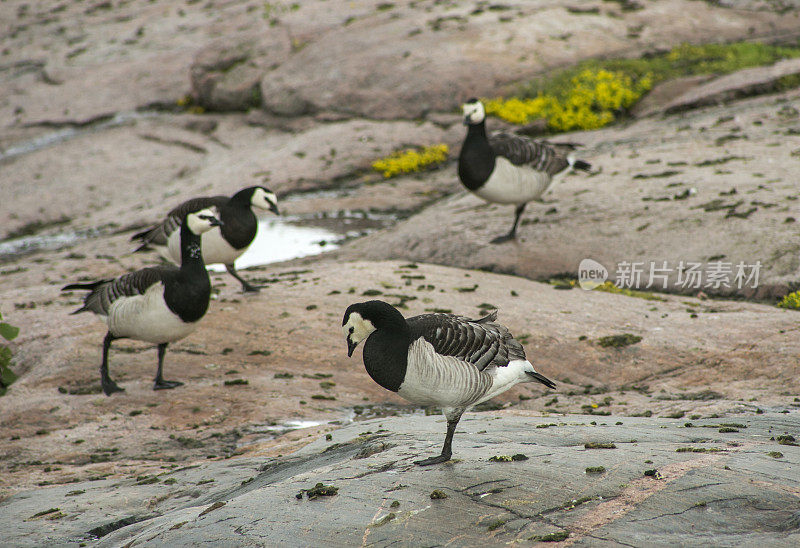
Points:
(728, 488)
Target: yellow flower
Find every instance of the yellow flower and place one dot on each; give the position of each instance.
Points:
(791, 301)
(411, 160)
(590, 102)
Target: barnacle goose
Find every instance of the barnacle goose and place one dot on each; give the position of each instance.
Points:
(505, 168)
(438, 359)
(223, 245)
(159, 304)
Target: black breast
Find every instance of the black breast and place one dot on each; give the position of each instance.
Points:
(386, 359)
(187, 294)
(239, 225)
(476, 160)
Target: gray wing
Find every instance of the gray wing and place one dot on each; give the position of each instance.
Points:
(479, 342)
(104, 293)
(159, 234)
(520, 151)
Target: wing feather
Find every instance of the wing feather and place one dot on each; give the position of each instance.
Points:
(520, 150)
(481, 342)
(159, 233)
(103, 295)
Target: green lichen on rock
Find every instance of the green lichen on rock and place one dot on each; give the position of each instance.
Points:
(319, 490)
(618, 341)
(7, 332)
(609, 287)
(595, 469)
(551, 537)
(599, 445)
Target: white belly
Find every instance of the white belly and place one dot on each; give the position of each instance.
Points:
(510, 184)
(147, 318)
(215, 248)
(446, 381)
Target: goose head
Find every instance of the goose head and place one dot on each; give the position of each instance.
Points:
(474, 113)
(202, 221)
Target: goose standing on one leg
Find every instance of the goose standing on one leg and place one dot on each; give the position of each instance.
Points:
(506, 168)
(160, 304)
(438, 359)
(223, 245)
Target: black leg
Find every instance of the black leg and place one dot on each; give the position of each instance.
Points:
(246, 287)
(447, 448)
(160, 383)
(109, 386)
(513, 233)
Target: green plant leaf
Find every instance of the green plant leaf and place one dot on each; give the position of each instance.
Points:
(8, 331)
(6, 376)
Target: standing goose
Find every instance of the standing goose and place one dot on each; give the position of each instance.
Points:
(438, 359)
(223, 245)
(159, 304)
(506, 168)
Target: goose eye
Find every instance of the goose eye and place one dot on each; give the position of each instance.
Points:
(351, 330)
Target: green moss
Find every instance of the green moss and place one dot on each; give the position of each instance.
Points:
(551, 537)
(319, 490)
(384, 520)
(595, 92)
(45, 512)
(7, 332)
(496, 524)
(775, 454)
(598, 445)
(609, 287)
(437, 494)
(595, 469)
(618, 341)
(698, 450)
(786, 439)
(235, 382)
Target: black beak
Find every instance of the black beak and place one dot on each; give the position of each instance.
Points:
(351, 347)
(274, 208)
(466, 120)
(213, 221)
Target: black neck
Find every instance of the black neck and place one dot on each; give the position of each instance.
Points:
(187, 293)
(239, 223)
(476, 160)
(386, 351)
(191, 251)
(242, 198)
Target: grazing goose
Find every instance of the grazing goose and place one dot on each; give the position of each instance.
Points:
(160, 304)
(223, 245)
(506, 168)
(438, 359)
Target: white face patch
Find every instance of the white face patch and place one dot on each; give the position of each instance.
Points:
(200, 221)
(361, 328)
(473, 112)
(263, 199)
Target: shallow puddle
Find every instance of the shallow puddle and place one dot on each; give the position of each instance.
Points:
(280, 240)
